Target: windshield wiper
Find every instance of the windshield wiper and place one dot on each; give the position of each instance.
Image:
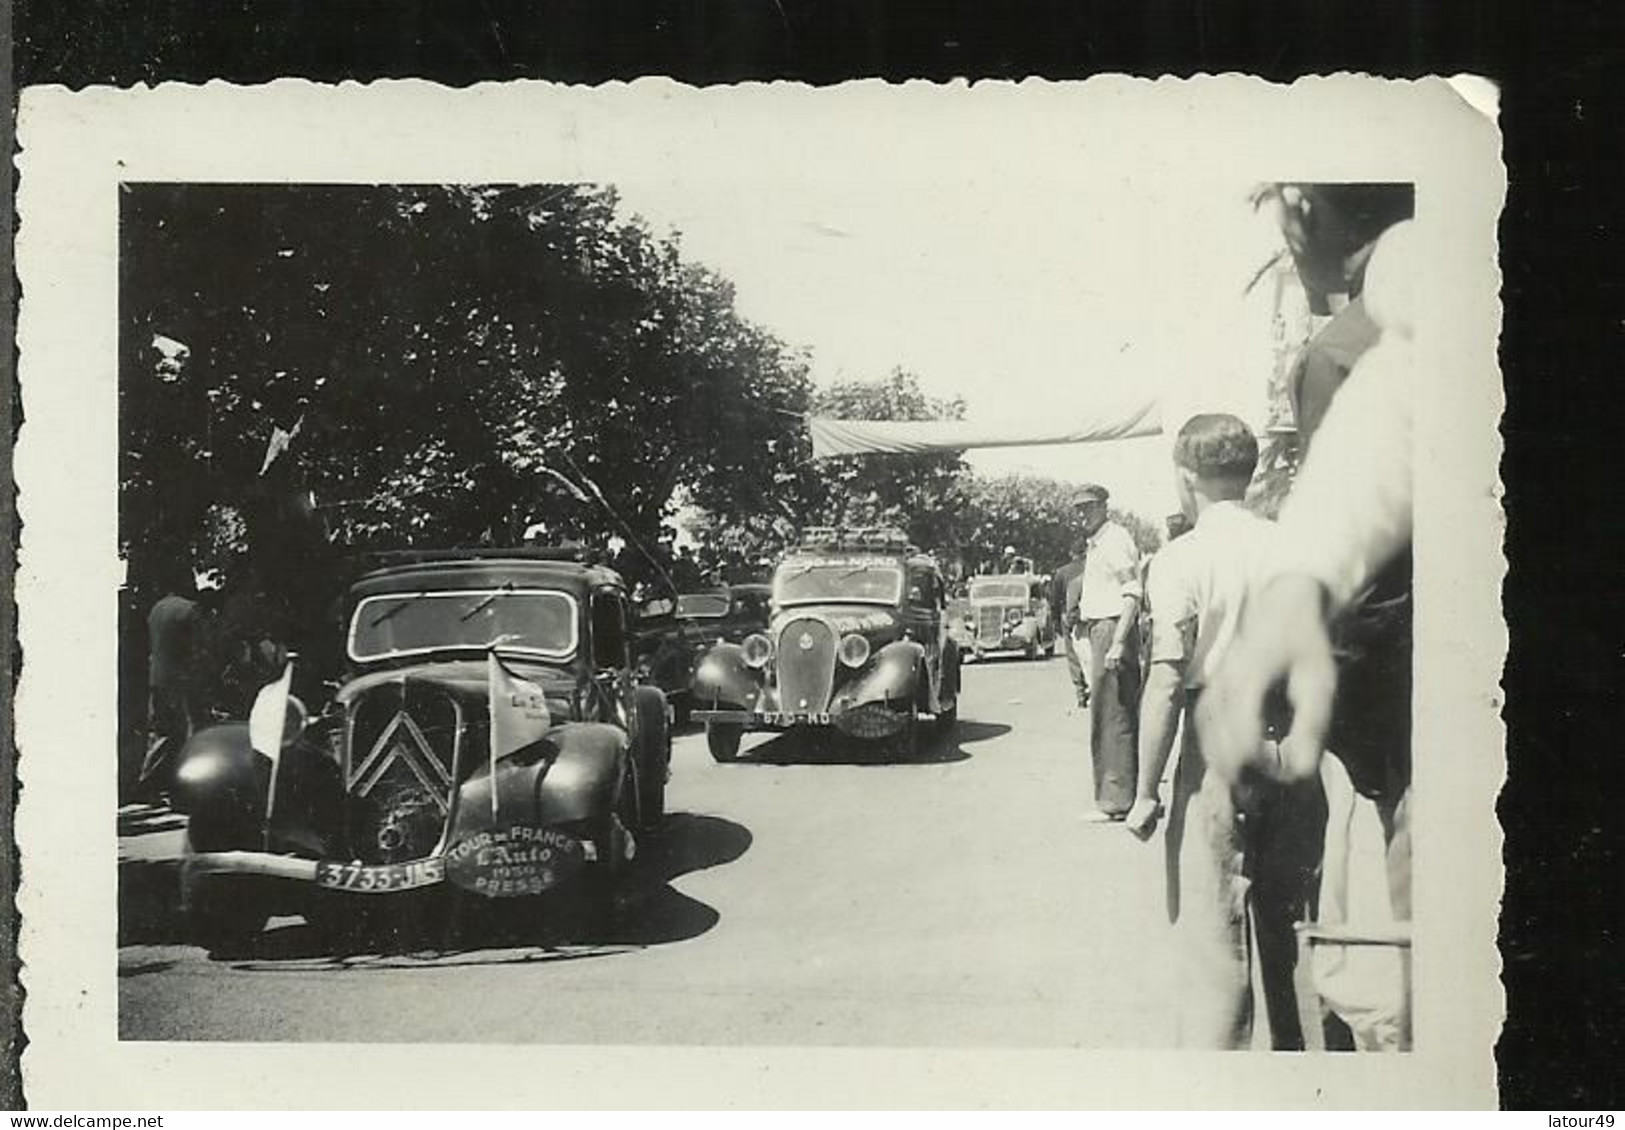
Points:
(854, 572)
(396, 610)
(505, 587)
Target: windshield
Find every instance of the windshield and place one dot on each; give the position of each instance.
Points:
(865, 580)
(999, 590)
(533, 621)
(702, 605)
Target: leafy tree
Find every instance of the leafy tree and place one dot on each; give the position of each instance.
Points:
(1036, 515)
(919, 493)
(462, 362)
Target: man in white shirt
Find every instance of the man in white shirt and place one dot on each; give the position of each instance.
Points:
(1240, 865)
(1108, 611)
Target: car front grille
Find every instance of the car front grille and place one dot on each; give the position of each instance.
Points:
(400, 768)
(806, 664)
(990, 623)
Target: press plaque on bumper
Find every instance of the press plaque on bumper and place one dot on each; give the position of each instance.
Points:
(514, 861)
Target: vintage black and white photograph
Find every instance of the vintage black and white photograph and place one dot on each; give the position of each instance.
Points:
(930, 570)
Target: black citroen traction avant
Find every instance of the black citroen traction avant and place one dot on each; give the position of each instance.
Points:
(857, 643)
(487, 735)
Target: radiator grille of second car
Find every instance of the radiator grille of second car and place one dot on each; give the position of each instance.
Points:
(806, 663)
(990, 623)
(400, 769)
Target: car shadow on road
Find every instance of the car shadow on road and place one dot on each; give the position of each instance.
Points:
(824, 747)
(463, 930)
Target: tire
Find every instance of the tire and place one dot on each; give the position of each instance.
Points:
(947, 720)
(723, 739)
(653, 758)
(905, 744)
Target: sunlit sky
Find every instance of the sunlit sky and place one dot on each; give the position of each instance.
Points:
(1030, 296)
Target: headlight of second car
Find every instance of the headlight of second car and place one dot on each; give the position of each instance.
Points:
(854, 650)
(758, 650)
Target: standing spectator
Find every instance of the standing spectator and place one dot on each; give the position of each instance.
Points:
(251, 639)
(1240, 866)
(1108, 612)
(175, 637)
(1064, 589)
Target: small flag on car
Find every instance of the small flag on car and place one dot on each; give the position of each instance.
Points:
(519, 714)
(267, 723)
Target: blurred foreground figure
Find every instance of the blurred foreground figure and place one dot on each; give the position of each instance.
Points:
(1334, 627)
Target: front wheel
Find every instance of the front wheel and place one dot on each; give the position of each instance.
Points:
(653, 757)
(905, 744)
(723, 738)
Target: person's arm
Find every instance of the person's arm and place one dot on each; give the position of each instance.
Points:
(1349, 511)
(1172, 635)
(1159, 721)
(1125, 572)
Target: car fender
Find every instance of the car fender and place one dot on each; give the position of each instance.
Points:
(723, 678)
(574, 773)
(893, 675)
(221, 784)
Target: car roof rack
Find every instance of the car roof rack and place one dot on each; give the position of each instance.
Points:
(391, 558)
(878, 538)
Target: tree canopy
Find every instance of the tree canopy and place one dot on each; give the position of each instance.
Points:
(462, 362)
(450, 365)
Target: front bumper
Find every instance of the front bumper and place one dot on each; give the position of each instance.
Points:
(870, 720)
(357, 878)
(1009, 645)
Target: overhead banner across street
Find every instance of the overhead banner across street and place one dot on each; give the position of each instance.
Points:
(911, 437)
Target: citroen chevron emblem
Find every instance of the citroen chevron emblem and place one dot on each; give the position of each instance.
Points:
(403, 741)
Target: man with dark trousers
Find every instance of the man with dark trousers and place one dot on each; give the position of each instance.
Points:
(1108, 613)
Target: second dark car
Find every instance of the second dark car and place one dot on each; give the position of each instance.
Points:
(858, 643)
(674, 635)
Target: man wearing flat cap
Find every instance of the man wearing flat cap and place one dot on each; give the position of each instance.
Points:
(1108, 612)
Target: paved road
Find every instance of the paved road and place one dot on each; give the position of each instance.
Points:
(800, 896)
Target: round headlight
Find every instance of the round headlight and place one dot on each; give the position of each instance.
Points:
(1014, 616)
(758, 650)
(854, 650)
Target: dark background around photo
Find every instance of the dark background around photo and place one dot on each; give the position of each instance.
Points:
(1557, 64)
